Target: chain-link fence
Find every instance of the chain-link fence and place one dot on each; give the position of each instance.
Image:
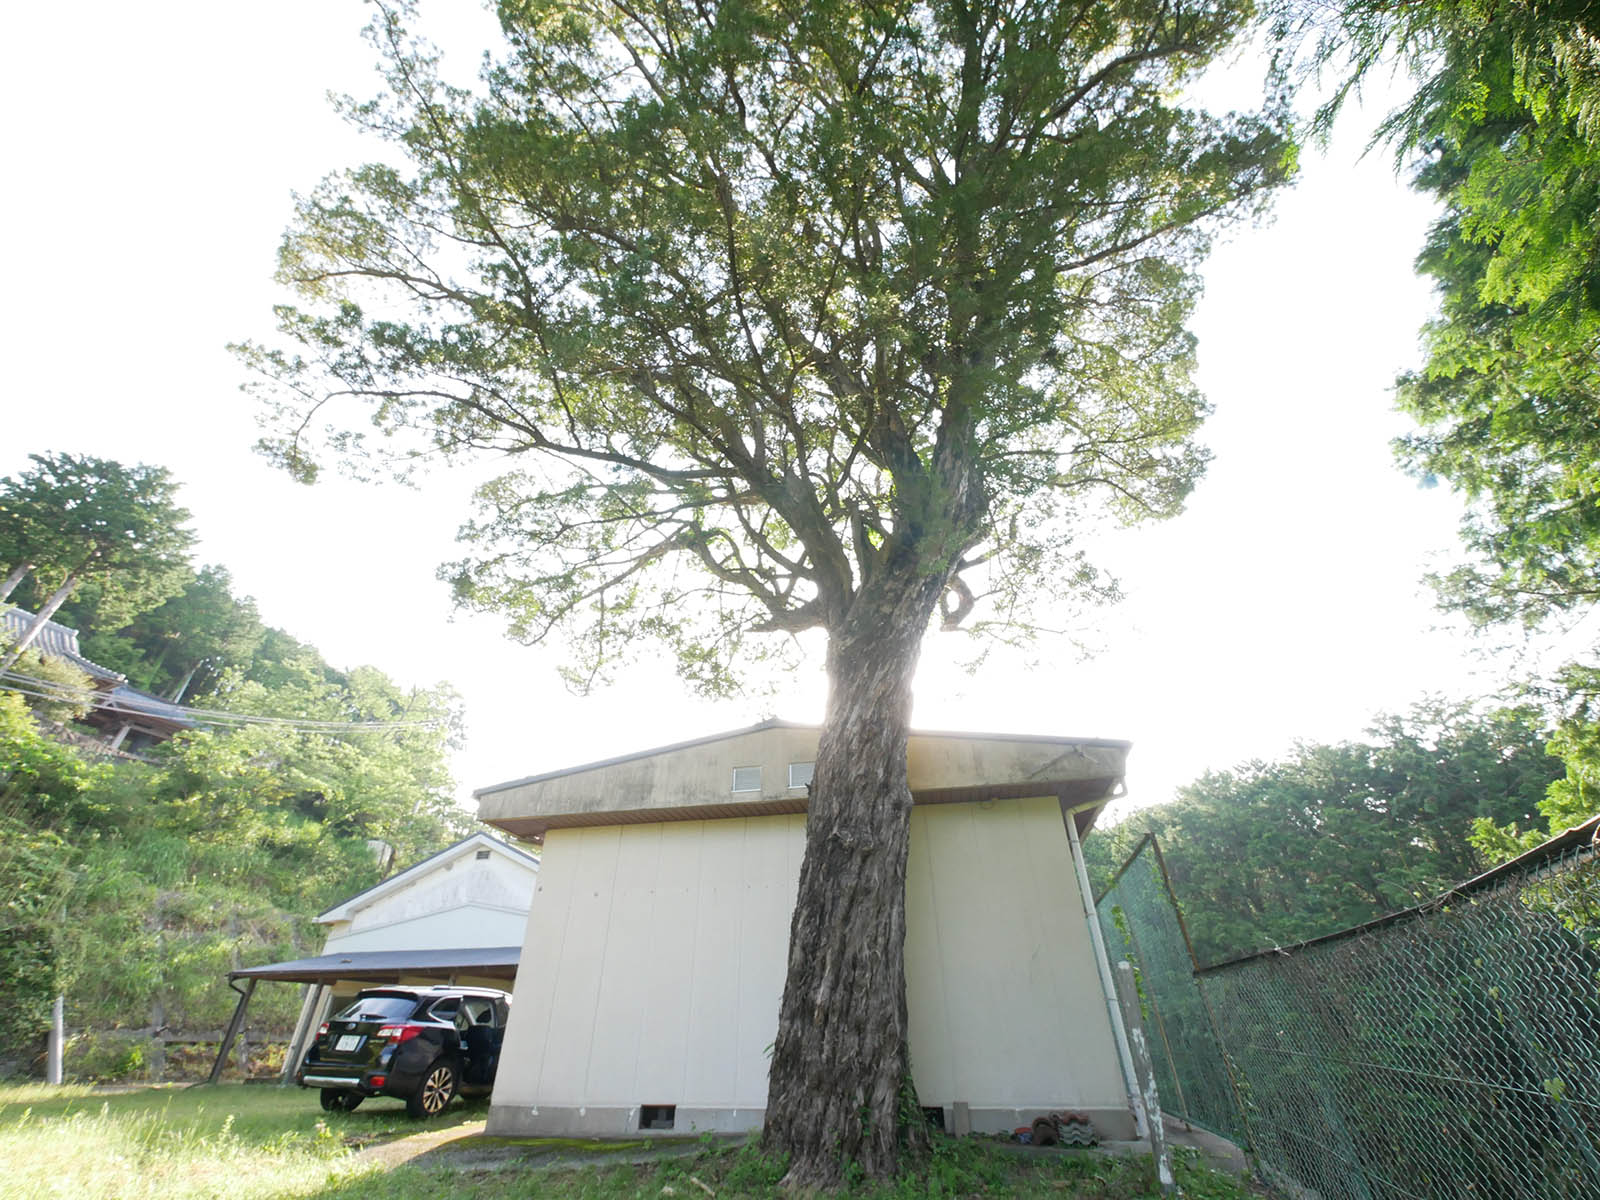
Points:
(1452, 1050)
(1140, 922)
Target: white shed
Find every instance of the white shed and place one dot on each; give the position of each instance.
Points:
(459, 915)
(663, 916)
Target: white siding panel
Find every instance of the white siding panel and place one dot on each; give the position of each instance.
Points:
(572, 1018)
(664, 964)
(622, 991)
(1004, 1003)
(771, 875)
(932, 1049)
(533, 1004)
(659, 955)
(719, 955)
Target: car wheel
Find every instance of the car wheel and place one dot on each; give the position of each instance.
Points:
(340, 1100)
(434, 1093)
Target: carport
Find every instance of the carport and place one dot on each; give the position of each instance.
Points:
(496, 963)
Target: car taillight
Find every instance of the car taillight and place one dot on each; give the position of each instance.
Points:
(399, 1033)
(322, 1030)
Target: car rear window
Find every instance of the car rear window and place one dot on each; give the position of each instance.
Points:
(379, 1008)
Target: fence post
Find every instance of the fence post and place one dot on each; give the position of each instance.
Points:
(1133, 1021)
(57, 1038)
(1205, 1000)
(1108, 986)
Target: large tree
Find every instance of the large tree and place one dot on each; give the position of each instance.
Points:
(799, 316)
(72, 520)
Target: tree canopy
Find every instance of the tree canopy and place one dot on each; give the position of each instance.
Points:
(74, 520)
(785, 293)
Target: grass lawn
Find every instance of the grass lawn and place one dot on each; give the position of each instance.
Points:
(238, 1141)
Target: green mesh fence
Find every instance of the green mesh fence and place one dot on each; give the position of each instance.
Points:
(1140, 923)
(1449, 1051)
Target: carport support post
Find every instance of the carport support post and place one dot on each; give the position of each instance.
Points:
(234, 1025)
(302, 1027)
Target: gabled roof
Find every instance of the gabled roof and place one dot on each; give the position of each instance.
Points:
(59, 641)
(131, 704)
(472, 843)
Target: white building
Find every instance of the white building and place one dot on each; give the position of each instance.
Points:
(662, 917)
(474, 893)
(457, 916)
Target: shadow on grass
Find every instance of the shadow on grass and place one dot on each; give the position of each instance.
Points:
(495, 1168)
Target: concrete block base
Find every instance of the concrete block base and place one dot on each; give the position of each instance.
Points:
(509, 1120)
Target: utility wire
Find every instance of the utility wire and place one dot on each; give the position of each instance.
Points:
(46, 689)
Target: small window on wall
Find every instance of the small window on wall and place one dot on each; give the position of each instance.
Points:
(800, 774)
(747, 779)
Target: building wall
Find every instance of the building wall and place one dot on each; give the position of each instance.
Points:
(664, 946)
(662, 951)
(460, 925)
(1006, 1007)
(463, 901)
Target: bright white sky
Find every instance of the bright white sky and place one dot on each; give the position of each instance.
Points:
(151, 153)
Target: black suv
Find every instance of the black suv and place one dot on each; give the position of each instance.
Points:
(421, 1044)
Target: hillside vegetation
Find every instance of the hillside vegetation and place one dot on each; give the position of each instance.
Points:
(132, 887)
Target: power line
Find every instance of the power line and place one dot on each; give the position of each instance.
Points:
(46, 689)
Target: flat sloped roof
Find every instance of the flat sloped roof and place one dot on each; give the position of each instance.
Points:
(751, 772)
(779, 723)
(389, 966)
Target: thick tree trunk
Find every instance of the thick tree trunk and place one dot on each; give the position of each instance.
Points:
(57, 599)
(839, 1087)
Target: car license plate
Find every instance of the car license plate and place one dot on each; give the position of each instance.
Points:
(348, 1042)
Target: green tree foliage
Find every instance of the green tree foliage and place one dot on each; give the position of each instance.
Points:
(1504, 132)
(74, 520)
(1332, 836)
(181, 647)
(58, 691)
(135, 888)
(1508, 124)
(818, 316)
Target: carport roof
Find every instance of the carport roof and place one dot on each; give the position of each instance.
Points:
(390, 966)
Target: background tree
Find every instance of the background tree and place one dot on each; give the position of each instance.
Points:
(821, 316)
(71, 520)
(1331, 836)
(1503, 130)
(182, 646)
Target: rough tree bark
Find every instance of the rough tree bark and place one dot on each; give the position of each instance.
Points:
(839, 1087)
